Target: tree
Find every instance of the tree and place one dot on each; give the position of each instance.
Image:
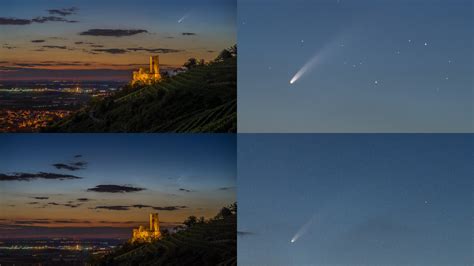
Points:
(201, 220)
(225, 54)
(233, 208)
(201, 62)
(190, 221)
(165, 232)
(223, 213)
(191, 63)
(233, 50)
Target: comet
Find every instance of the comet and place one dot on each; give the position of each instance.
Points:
(316, 60)
(182, 18)
(303, 229)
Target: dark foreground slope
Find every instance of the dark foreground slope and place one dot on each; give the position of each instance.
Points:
(210, 243)
(202, 99)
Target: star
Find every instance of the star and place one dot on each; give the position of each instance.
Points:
(398, 52)
(302, 41)
(353, 65)
(447, 78)
(426, 44)
(376, 82)
(449, 61)
(426, 202)
(409, 40)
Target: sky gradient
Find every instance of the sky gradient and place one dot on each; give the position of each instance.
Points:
(379, 66)
(56, 39)
(179, 175)
(352, 199)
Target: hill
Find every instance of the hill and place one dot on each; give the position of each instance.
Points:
(203, 99)
(209, 243)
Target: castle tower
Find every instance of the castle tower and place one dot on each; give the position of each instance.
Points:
(154, 222)
(155, 66)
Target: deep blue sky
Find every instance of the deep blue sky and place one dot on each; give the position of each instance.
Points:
(195, 171)
(372, 199)
(375, 73)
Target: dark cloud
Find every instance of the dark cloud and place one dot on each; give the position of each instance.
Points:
(112, 32)
(71, 166)
(210, 51)
(52, 19)
(14, 21)
(66, 166)
(78, 155)
(244, 233)
(54, 47)
(111, 51)
(71, 205)
(40, 198)
(79, 164)
(37, 41)
(140, 206)
(26, 222)
(52, 63)
(97, 45)
(188, 33)
(169, 208)
(9, 47)
(71, 221)
(83, 199)
(19, 21)
(115, 189)
(79, 43)
(226, 188)
(185, 190)
(33, 203)
(33, 176)
(63, 11)
(114, 208)
(155, 50)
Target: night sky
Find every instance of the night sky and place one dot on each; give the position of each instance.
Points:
(354, 199)
(379, 66)
(59, 39)
(179, 175)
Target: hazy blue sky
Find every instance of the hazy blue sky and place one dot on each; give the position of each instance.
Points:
(381, 66)
(354, 199)
(181, 175)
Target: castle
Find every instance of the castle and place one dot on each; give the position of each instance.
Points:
(141, 234)
(148, 77)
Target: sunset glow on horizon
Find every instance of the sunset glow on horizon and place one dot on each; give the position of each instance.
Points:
(43, 40)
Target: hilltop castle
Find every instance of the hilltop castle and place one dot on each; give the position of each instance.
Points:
(148, 77)
(141, 234)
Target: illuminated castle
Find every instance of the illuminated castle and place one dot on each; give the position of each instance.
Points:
(148, 77)
(141, 234)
